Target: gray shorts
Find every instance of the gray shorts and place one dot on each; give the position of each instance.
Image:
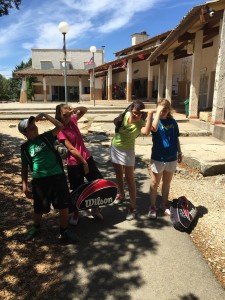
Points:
(160, 166)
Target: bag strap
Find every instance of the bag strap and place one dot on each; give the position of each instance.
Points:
(49, 144)
(24, 149)
(119, 123)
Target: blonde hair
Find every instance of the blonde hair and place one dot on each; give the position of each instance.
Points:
(166, 103)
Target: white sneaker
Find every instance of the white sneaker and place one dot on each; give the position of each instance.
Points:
(152, 213)
(132, 214)
(119, 199)
(96, 213)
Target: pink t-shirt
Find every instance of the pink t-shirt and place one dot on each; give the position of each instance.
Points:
(72, 133)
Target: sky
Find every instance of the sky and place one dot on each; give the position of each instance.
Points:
(108, 23)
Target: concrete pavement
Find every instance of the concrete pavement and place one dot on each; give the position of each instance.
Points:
(135, 260)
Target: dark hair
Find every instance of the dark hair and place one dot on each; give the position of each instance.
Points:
(139, 105)
(58, 110)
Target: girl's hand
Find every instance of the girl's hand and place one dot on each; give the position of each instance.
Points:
(148, 110)
(160, 108)
(179, 157)
(86, 169)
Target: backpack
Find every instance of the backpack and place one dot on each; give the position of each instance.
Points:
(24, 149)
(182, 213)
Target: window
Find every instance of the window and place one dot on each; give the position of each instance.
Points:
(46, 65)
(68, 65)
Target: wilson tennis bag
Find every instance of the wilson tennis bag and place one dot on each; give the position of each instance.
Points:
(182, 213)
(100, 192)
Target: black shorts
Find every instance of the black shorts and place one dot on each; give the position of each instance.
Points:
(76, 174)
(50, 190)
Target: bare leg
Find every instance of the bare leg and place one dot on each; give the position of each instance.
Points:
(37, 219)
(129, 174)
(119, 177)
(155, 180)
(63, 217)
(166, 180)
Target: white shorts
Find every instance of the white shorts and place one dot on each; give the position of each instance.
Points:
(160, 166)
(122, 157)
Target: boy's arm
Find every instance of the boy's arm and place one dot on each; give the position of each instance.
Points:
(58, 125)
(24, 176)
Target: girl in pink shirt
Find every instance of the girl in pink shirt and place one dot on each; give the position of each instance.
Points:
(80, 163)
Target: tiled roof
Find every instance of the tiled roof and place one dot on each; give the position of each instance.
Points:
(52, 72)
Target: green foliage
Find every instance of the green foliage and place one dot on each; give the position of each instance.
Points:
(16, 82)
(6, 5)
(4, 89)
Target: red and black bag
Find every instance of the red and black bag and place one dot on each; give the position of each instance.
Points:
(100, 192)
(182, 213)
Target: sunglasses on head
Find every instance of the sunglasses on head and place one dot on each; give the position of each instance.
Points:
(136, 113)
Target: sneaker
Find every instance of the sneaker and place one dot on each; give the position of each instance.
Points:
(31, 233)
(74, 218)
(96, 213)
(119, 199)
(152, 213)
(132, 214)
(167, 211)
(69, 236)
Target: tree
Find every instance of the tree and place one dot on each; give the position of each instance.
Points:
(6, 5)
(16, 82)
(4, 89)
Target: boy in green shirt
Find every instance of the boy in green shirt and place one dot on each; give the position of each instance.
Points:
(49, 185)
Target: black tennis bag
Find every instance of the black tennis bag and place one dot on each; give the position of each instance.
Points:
(182, 213)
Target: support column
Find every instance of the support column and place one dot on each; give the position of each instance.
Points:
(161, 79)
(98, 88)
(195, 76)
(169, 77)
(110, 83)
(44, 89)
(23, 91)
(150, 77)
(80, 87)
(91, 86)
(129, 81)
(219, 89)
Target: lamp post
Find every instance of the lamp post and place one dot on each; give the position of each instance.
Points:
(93, 50)
(64, 28)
